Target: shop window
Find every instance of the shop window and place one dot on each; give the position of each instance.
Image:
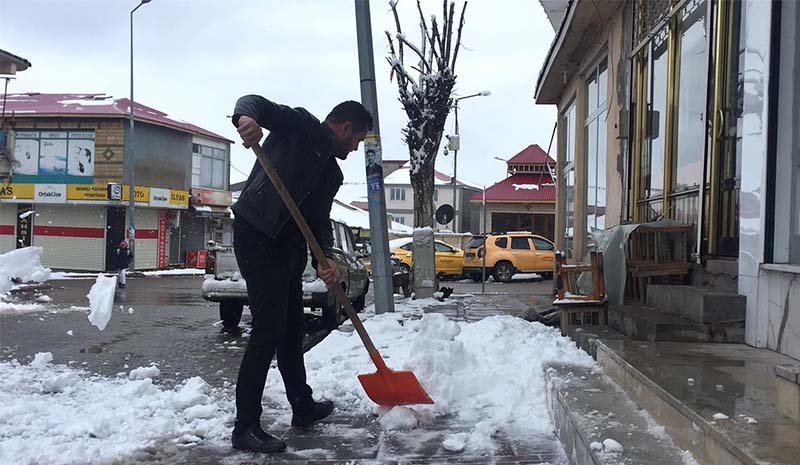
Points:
(568, 119)
(596, 133)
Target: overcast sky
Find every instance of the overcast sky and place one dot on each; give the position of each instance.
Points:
(193, 59)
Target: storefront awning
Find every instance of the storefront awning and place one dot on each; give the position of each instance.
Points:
(205, 211)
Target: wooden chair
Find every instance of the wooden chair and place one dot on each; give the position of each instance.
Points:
(577, 308)
(655, 252)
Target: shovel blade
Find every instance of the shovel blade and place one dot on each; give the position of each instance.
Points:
(391, 388)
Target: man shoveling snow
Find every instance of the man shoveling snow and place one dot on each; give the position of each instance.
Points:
(271, 252)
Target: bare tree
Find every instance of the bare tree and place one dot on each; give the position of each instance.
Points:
(426, 99)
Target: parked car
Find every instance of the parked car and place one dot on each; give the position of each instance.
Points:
(507, 254)
(449, 260)
(227, 286)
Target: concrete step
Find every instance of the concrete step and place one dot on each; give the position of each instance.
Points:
(645, 323)
(703, 305)
(717, 401)
(586, 337)
(587, 409)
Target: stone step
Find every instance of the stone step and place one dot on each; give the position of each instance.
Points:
(698, 304)
(645, 323)
(587, 409)
(717, 401)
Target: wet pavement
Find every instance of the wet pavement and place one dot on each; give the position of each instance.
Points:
(165, 320)
(734, 380)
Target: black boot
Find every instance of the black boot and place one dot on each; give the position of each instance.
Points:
(255, 439)
(311, 414)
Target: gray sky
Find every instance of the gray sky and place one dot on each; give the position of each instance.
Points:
(193, 59)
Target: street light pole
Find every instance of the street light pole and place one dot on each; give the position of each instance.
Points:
(484, 93)
(129, 158)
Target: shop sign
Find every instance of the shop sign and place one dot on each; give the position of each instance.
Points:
(25, 214)
(159, 197)
(50, 193)
(162, 239)
(140, 194)
(179, 198)
(16, 191)
(87, 192)
(213, 197)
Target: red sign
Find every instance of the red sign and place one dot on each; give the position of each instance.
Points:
(212, 197)
(162, 239)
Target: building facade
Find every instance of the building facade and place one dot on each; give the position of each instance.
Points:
(68, 190)
(525, 200)
(400, 199)
(685, 109)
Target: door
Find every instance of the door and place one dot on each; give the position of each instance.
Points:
(447, 259)
(726, 148)
(521, 253)
(115, 233)
(545, 255)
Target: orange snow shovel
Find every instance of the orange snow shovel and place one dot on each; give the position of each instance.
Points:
(385, 387)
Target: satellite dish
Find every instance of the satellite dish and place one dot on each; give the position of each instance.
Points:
(444, 214)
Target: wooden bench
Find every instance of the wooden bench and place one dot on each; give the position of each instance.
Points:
(655, 252)
(578, 308)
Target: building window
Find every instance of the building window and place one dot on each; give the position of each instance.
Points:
(568, 175)
(399, 219)
(596, 130)
(212, 166)
(397, 193)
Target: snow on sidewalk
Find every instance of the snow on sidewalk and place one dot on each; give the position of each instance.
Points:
(58, 415)
(489, 374)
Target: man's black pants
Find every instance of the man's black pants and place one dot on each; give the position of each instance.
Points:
(273, 269)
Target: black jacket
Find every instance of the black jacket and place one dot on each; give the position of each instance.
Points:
(123, 258)
(301, 148)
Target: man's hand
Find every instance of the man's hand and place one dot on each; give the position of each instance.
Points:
(329, 275)
(250, 131)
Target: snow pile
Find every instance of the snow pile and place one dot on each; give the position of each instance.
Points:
(720, 416)
(144, 372)
(41, 359)
(101, 300)
(177, 272)
(15, 308)
(56, 415)
(23, 265)
(489, 374)
(44, 299)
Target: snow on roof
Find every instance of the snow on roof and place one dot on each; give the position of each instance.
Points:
(531, 187)
(358, 218)
(100, 105)
(403, 176)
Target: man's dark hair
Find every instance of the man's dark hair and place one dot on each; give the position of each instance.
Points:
(351, 111)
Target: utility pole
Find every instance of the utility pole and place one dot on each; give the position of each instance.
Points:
(378, 224)
(129, 162)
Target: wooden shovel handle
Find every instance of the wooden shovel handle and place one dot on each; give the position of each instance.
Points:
(322, 260)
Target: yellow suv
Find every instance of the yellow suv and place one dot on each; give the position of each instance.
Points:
(509, 254)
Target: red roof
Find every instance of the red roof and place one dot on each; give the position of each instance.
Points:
(360, 204)
(95, 105)
(532, 154)
(521, 187)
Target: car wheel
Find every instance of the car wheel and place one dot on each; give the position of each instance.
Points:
(475, 277)
(503, 272)
(360, 302)
(332, 313)
(405, 268)
(230, 312)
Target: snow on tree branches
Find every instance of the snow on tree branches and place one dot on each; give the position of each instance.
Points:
(425, 89)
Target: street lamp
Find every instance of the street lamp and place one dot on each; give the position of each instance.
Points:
(131, 199)
(484, 93)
